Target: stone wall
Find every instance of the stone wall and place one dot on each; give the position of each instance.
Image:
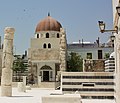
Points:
(94, 65)
(41, 54)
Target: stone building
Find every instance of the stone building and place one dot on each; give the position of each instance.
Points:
(47, 52)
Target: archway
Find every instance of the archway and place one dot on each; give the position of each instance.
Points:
(45, 72)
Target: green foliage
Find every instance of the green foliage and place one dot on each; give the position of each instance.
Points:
(107, 55)
(74, 63)
(19, 64)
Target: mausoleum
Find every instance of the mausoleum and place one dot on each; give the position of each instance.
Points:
(47, 52)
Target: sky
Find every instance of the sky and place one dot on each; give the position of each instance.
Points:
(78, 17)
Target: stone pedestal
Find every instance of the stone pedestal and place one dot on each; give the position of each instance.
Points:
(67, 98)
(21, 87)
(7, 61)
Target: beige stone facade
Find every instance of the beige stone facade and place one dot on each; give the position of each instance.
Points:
(44, 52)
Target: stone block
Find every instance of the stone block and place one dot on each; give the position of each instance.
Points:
(66, 98)
(21, 87)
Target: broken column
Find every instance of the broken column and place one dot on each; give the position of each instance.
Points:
(7, 61)
(62, 50)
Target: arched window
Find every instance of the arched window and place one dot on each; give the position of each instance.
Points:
(58, 35)
(47, 35)
(37, 35)
(44, 45)
(49, 45)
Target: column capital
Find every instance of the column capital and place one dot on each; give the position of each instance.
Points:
(9, 30)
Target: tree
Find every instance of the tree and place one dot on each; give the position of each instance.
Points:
(19, 65)
(75, 62)
(107, 55)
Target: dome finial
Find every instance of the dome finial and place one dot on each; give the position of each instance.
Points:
(48, 13)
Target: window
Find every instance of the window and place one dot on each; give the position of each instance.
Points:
(47, 35)
(37, 35)
(49, 45)
(44, 45)
(89, 55)
(99, 54)
(58, 35)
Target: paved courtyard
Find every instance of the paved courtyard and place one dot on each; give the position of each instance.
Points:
(30, 96)
(34, 96)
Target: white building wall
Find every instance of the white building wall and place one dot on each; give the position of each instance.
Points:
(83, 52)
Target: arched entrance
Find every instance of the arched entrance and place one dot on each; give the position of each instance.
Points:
(46, 73)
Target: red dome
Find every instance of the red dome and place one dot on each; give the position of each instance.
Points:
(48, 24)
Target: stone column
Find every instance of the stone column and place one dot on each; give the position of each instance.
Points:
(117, 67)
(62, 50)
(7, 60)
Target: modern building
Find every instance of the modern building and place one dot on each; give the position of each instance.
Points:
(90, 85)
(93, 54)
(110, 63)
(47, 52)
(89, 50)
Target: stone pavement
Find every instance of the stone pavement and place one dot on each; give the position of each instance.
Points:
(30, 96)
(34, 96)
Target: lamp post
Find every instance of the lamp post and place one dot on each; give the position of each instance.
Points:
(102, 24)
(102, 28)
